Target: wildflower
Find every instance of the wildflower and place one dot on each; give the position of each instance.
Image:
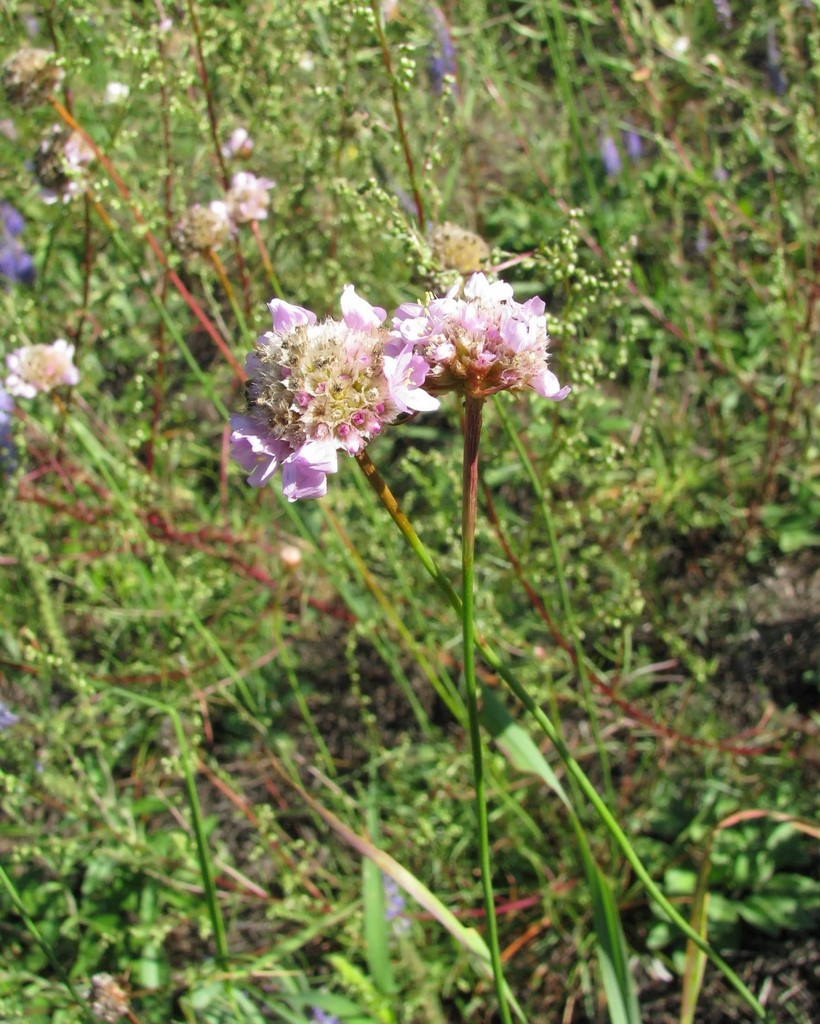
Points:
(16, 265)
(723, 11)
(30, 76)
(777, 79)
(315, 389)
(482, 343)
(34, 368)
(202, 228)
(109, 1002)
(320, 1017)
(12, 219)
(7, 718)
(610, 156)
(632, 144)
(395, 905)
(247, 197)
(116, 92)
(442, 62)
(59, 164)
(239, 144)
(8, 456)
(459, 249)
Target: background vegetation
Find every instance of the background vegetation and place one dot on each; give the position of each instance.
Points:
(192, 671)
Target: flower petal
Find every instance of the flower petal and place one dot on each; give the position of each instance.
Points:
(286, 317)
(358, 313)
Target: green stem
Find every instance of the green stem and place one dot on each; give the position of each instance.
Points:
(394, 93)
(575, 770)
(472, 436)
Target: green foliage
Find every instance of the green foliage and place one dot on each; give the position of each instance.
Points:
(183, 651)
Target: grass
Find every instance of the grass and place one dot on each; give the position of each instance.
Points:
(235, 715)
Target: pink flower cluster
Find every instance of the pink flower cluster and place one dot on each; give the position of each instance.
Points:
(35, 368)
(316, 389)
(480, 343)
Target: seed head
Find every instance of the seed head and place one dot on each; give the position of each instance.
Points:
(30, 76)
(202, 228)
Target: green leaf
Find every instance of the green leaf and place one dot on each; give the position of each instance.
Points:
(613, 954)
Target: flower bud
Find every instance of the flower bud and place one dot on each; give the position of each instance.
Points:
(30, 76)
(202, 228)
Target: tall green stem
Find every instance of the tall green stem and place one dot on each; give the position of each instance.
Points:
(575, 770)
(474, 408)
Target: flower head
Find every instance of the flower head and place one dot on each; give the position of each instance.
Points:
(60, 163)
(248, 198)
(480, 343)
(458, 249)
(316, 389)
(202, 228)
(442, 59)
(319, 1016)
(108, 1000)
(610, 156)
(116, 92)
(30, 76)
(7, 718)
(239, 144)
(395, 909)
(16, 265)
(34, 368)
(8, 455)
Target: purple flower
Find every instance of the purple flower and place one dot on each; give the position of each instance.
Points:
(442, 61)
(16, 265)
(316, 389)
(610, 156)
(723, 11)
(480, 343)
(239, 144)
(632, 144)
(395, 907)
(34, 368)
(776, 78)
(8, 455)
(247, 198)
(12, 219)
(7, 718)
(320, 1017)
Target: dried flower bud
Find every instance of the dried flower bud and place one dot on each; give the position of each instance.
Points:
(202, 228)
(30, 76)
(458, 249)
(109, 1001)
(59, 164)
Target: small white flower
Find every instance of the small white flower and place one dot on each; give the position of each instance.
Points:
(116, 92)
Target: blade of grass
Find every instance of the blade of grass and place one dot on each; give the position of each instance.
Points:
(613, 953)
